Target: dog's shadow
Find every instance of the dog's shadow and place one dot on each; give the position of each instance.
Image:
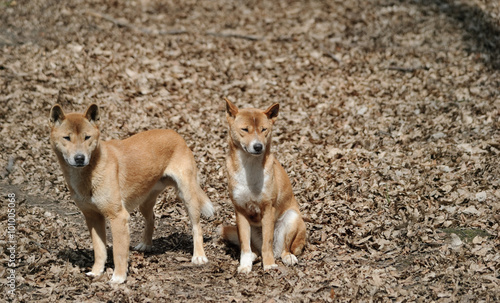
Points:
(176, 242)
(231, 250)
(82, 257)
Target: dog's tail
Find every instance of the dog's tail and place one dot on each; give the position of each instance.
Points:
(229, 233)
(189, 189)
(207, 209)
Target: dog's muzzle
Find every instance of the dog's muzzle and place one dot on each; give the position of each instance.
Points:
(78, 160)
(256, 148)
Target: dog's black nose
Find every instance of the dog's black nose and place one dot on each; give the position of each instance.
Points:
(257, 147)
(80, 159)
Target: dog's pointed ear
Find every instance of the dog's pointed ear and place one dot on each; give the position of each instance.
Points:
(92, 114)
(272, 112)
(231, 109)
(56, 115)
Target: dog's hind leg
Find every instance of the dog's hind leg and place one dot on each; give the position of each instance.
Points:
(97, 227)
(147, 211)
(193, 205)
(230, 234)
(299, 241)
(197, 202)
(289, 237)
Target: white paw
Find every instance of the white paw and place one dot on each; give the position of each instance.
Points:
(92, 274)
(116, 279)
(290, 259)
(254, 256)
(270, 266)
(143, 247)
(199, 260)
(244, 269)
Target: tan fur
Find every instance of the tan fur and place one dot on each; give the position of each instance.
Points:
(111, 179)
(267, 214)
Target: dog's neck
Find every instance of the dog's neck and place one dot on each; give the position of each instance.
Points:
(80, 179)
(238, 155)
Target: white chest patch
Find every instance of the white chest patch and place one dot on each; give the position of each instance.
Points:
(74, 183)
(82, 195)
(250, 183)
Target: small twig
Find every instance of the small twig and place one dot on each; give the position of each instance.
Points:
(173, 32)
(142, 30)
(331, 55)
(147, 31)
(283, 39)
(406, 69)
(251, 38)
(115, 21)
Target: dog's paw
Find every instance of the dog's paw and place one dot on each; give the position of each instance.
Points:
(290, 259)
(254, 256)
(143, 247)
(199, 260)
(270, 266)
(93, 274)
(244, 269)
(117, 279)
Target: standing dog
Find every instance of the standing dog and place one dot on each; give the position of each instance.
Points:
(108, 180)
(268, 218)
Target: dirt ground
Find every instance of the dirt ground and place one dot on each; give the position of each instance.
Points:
(389, 130)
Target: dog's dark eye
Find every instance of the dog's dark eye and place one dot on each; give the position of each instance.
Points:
(245, 130)
(264, 129)
(67, 138)
(87, 137)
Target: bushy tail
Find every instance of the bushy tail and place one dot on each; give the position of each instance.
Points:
(207, 209)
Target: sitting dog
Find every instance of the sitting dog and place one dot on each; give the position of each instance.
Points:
(108, 180)
(268, 218)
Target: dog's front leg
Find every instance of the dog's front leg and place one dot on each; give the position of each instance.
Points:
(121, 242)
(268, 218)
(97, 228)
(244, 235)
